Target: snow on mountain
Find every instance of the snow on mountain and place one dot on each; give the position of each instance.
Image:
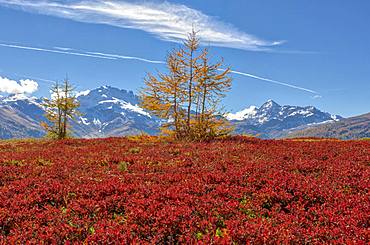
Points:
(270, 110)
(20, 117)
(124, 105)
(108, 111)
(272, 119)
(30, 106)
(83, 93)
(20, 97)
(89, 98)
(336, 118)
(243, 114)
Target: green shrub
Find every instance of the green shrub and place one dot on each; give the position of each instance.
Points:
(123, 166)
(135, 150)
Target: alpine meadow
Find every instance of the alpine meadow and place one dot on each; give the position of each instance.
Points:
(184, 122)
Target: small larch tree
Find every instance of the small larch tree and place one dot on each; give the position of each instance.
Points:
(61, 110)
(187, 97)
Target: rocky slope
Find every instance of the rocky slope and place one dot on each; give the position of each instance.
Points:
(350, 128)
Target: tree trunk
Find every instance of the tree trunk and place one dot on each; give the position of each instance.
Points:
(190, 91)
(175, 112)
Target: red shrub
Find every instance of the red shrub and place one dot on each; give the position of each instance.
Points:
(240, 190)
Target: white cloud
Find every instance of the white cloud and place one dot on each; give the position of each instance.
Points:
(167, 21)
(13, 87)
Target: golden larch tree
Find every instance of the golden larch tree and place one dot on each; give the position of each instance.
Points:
(60, 109)
(188, 96)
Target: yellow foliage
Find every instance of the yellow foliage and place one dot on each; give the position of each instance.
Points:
(188, 96)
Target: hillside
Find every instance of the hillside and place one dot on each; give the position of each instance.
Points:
(350, 128)
(20, 117)
(233, 191)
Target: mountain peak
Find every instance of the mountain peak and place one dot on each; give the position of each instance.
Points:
(107, 88)
(89, 98)
(272, 120)
(270, 104)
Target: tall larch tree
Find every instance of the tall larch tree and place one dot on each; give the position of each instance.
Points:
(187, 97)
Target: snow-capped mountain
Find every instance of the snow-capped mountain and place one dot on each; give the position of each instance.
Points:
(20, 117)
(273, 120)
(109, 111)
(31, 106)
(106, 111)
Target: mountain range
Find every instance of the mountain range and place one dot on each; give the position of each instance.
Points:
(108, 111)
(272, 120)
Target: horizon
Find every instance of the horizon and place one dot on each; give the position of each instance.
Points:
(293, 56)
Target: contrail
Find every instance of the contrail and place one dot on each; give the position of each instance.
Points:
(273, 81)
(55, 51)
(127, 57)
(100, 55)
(63, 49)
(82, 53)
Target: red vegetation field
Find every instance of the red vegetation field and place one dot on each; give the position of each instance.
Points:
(237, 190)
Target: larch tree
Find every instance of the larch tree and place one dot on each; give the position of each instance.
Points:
(211, 87)
(61, 110)
(187, 97)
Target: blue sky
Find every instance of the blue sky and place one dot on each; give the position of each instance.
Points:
(299, 52)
